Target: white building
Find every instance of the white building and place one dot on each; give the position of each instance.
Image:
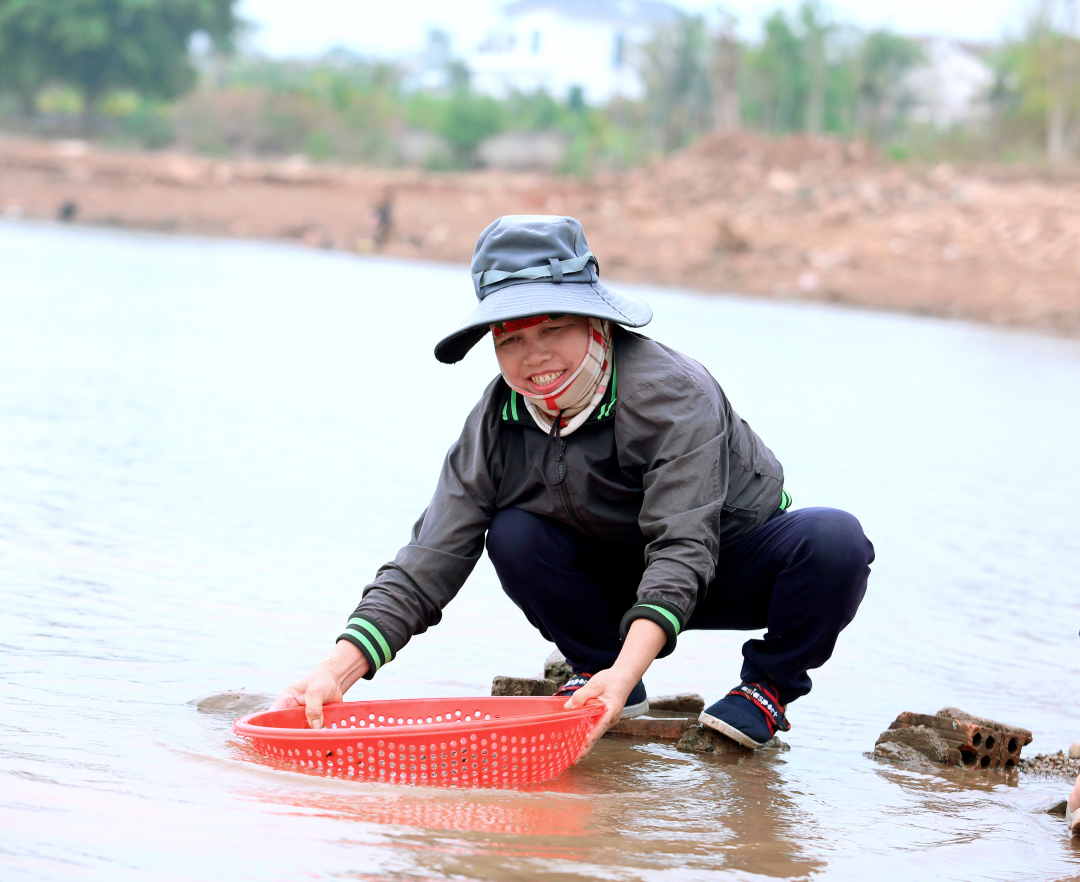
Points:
(559, 44)
(952, 88)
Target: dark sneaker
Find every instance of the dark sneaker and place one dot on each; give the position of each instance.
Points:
(637, 703)
(749, 714)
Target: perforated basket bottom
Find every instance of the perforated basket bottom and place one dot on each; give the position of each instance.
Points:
(457, 742)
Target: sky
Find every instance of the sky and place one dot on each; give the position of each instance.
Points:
(289, 29)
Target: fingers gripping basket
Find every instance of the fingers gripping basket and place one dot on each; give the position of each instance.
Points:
(458, 742)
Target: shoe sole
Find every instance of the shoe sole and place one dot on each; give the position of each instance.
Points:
(739, 737)
(635, 710)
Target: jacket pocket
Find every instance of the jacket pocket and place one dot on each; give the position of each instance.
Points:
(746, 514)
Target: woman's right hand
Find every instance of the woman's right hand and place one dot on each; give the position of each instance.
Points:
(326, 684)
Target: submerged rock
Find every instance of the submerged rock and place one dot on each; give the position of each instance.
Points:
(903, 755)
(1056, 807)
(232, 703)
(701, 739)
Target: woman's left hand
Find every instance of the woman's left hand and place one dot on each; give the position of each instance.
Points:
(611, 688)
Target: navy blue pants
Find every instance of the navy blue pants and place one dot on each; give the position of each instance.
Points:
(801, 576)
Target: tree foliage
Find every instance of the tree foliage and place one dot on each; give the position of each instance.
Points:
(97, 46)
(676, 66)
(881, 65)
(1046, 68)
(807, 73)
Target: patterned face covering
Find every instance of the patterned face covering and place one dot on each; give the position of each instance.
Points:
(584, 388)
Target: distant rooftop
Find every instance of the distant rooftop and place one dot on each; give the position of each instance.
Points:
(628, 11)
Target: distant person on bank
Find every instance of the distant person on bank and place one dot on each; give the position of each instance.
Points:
(622, 501)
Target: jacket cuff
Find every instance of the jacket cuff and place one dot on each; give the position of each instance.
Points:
(666, 615)
(367, 637)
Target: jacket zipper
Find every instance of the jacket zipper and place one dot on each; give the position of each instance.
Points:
(566, 493)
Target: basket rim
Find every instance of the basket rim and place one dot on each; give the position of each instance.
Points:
(243, 727)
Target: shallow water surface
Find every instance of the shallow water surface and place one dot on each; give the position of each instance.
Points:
(207, 448)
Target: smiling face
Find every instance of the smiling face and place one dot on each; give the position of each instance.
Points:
(538, 360)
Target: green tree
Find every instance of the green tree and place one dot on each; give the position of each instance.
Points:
(469, 119)
(676, 66)
(1046, 63)
(882, 63)
(724, 73)
(97, 46)
(26, 47)
(816, 30)
(777, 78)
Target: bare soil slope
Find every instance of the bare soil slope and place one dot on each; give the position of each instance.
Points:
(799, 217)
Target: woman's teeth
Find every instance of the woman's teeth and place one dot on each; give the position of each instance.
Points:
(546, 379)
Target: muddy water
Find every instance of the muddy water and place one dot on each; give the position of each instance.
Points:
(206, 448)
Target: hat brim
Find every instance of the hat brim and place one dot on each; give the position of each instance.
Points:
(538, 298)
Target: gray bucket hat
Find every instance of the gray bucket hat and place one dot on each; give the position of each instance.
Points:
(527, 265)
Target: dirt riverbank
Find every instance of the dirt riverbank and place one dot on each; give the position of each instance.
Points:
(801, 217)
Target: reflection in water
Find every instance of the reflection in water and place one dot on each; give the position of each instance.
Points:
(724, 813)
(530, 817)
(198, 477)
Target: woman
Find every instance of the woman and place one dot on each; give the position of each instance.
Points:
(622, 501)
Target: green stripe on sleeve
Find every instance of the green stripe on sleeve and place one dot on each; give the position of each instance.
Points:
(352, 632)
(605, 410)
(674, 621)
(376, 633)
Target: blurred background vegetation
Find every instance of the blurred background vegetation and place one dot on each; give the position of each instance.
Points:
(164, 74)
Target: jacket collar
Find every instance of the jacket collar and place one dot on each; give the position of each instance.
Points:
(515, 413)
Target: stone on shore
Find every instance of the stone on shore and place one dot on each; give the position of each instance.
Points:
(921, 740)
(1074, 751)
(955, 738)
(683, 703)
(903, 755)
(556, 669)
(1050, 765)
(522, 686)
(653, 727)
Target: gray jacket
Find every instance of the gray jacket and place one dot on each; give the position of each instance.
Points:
(664, 462)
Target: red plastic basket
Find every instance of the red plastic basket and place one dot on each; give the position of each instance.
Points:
(457, 742)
